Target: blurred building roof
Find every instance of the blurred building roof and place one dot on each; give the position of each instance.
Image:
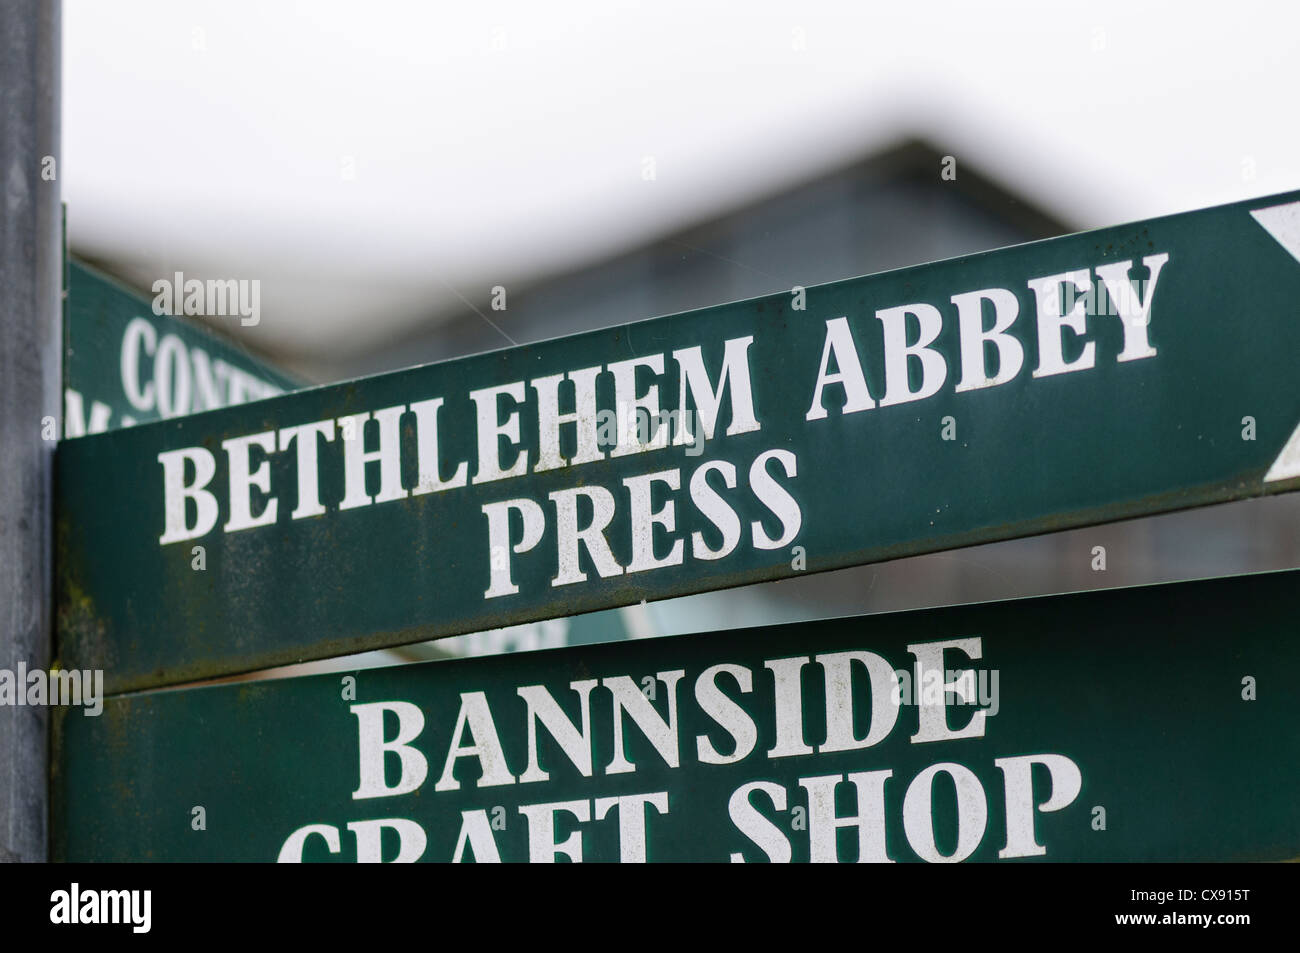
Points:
(889, 209)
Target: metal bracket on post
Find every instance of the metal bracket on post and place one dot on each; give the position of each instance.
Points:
(31, 280)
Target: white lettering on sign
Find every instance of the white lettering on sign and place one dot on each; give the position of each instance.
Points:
(723, 706)
(645, 523)
(1063, 305)
(712, 402)
(162, 375)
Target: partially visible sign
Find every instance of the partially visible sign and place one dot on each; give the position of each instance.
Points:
(126, 364)
(1154, 723)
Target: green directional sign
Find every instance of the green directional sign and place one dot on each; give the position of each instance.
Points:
(128, 362)
(1152, 723)
(1110, 374)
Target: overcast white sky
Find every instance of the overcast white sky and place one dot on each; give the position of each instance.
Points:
(491, 142)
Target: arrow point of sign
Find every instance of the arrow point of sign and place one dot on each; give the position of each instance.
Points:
(1287, 464)
(1283, 223)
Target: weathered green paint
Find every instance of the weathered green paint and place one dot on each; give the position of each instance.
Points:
(1144, 690)
(124, 365)
(1131, 435)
